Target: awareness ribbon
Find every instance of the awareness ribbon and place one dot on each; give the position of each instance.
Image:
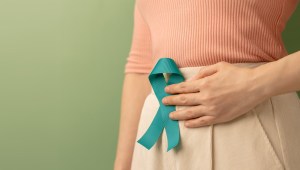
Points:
(161, 119)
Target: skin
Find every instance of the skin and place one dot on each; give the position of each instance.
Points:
(133, 97)
(209, 91)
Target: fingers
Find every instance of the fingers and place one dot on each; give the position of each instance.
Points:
(195, 116)
(190, 86)
(188, 99)
(204, 72)
(183, 87)
(189, 113)
(200, 121)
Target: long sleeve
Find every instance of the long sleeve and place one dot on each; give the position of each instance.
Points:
(139, 59)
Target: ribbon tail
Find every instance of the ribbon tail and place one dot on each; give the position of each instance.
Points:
(153, 132)
(173, 133)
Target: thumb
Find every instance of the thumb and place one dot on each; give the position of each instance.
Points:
(204, 71)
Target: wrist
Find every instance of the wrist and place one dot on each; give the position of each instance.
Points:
(262, 81)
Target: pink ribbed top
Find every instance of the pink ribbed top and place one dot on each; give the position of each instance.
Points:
(203, 32)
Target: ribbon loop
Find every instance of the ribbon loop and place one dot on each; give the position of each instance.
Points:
(161, 119)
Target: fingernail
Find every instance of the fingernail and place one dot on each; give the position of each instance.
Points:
(164, 100)
(166, 88)
(171, 115)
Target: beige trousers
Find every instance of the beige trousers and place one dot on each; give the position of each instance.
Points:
(265, 138)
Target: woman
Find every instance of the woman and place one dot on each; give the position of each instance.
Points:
(238, 108)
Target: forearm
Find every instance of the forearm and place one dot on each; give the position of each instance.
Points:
(136, 87)
(278, 77)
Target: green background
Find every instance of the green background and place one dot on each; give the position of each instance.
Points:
(59, 109)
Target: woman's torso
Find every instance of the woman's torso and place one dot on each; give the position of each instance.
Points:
(203, 32)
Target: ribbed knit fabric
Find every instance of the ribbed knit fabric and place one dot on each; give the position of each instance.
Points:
(203, 32)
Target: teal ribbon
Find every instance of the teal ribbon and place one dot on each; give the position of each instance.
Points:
(161, 119)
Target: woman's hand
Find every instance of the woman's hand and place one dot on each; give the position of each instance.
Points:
(218, 93)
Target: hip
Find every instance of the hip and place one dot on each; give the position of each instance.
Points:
(265, 137)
